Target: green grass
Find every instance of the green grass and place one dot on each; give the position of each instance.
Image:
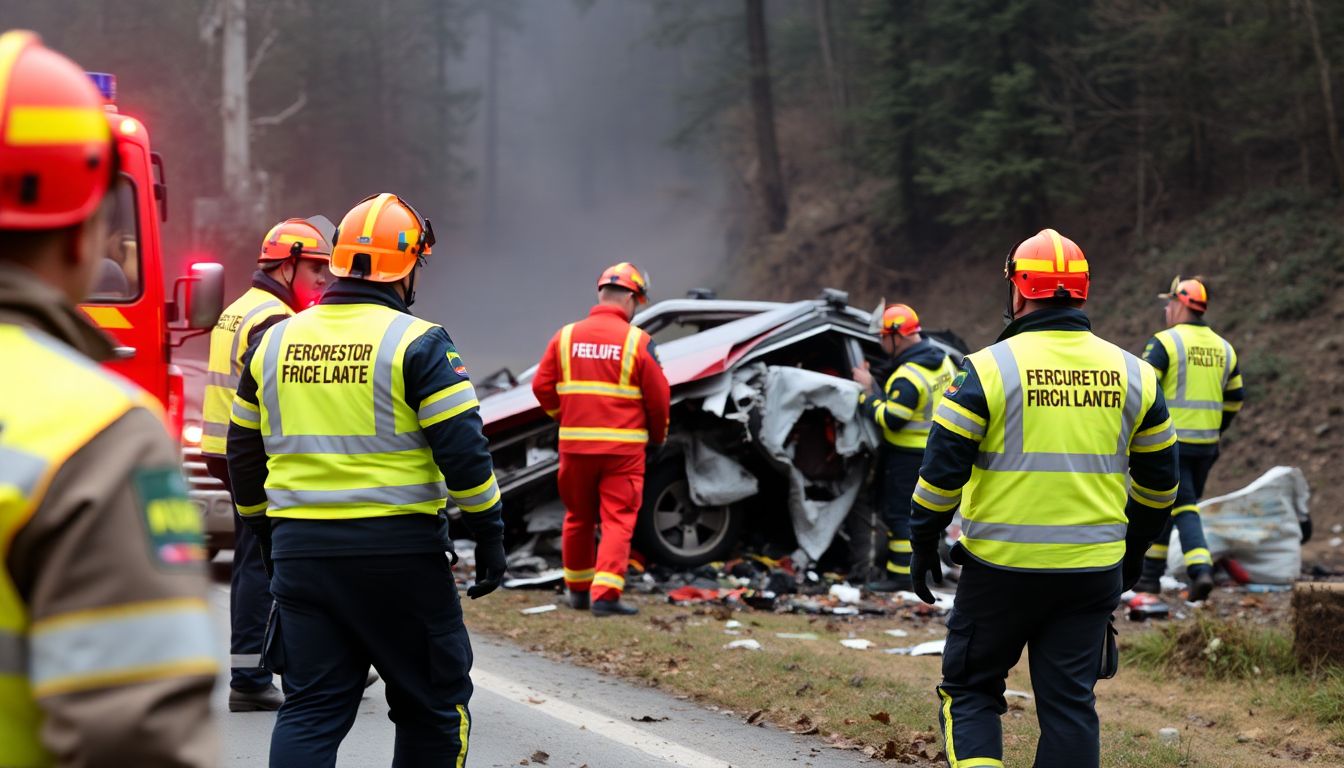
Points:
(1213, 648)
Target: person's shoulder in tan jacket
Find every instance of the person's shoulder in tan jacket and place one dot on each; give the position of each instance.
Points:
(109, 567)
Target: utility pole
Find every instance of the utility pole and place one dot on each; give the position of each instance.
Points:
(492, 53)
(238, 179)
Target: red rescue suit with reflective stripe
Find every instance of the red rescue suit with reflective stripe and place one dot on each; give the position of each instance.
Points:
(600, 379)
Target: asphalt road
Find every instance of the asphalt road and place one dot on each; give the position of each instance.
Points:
(526, 704)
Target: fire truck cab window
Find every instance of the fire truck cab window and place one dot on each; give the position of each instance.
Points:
(118, 279)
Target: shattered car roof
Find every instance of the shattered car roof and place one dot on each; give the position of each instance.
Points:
(696, 356)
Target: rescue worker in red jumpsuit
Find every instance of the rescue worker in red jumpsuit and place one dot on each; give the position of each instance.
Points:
(601, 379)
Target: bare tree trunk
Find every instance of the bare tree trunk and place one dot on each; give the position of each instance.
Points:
(835, 81)
(1327, 95)
(1141, 165)
(492, 52)
(763, 110)
(238, 187)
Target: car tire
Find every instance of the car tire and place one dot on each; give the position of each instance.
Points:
(669, 517)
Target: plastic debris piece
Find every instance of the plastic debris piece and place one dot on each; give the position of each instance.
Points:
(543, 579)
(743, 645)
(1012, 694)
(732, 624)
(1268, 587)
(857, 643)
(931, 648)
(796, 635)
(1169, 736)
(942, 602)
(845, 610)
(691, 595)
(845, 593)
(1145, 606)
(534, 610)
(897, 633)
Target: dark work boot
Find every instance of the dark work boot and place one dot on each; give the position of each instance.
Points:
(267, 699)
(891, 583)
(613, 608)
(578, 601)
(1201, 585)
(1150, 584)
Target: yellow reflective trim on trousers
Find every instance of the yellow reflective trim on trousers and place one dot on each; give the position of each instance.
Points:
(463, 734)
(1156, 552)
(39, 126)
(566, 334)
(1184, 508)
(604, 388)
(978, 762)
(894, 568)
(947, 726)
(608, 579)
(900, 546)
(374, 210)
(580, 576)
(628, 354)
(1232, 406)
(1198, 556)
(607, 434)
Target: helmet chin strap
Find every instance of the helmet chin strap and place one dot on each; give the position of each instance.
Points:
(410, 287)
(1008, 306)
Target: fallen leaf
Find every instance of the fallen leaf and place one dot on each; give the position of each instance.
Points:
(540, 757)
(649, 719)
(881, 717)
(754, 716)
(535, 700)
(803, 689)
(890, 751)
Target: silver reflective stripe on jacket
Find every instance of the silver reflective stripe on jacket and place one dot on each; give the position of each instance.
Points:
(234, 366)
(455, 400)
(1044, 534)
(228, 381)
(1015, 459)
(394, 495)
(385, 439)
(21, 469)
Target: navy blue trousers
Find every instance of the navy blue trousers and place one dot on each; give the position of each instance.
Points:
(1061, 619)
(249, 604)
(1185, 518)
(339, 614)
(900, 471)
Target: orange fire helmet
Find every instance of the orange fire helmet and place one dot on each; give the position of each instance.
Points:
(57, 158)
(1190, 292)
(381, 239)
(900, 319)
(294, 238)
(1048, 265)
(629, 277)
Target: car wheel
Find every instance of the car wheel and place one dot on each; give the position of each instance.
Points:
(673, 530)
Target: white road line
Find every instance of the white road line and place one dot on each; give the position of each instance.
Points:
(596, 722)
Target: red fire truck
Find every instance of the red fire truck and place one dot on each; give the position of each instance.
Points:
(130, 300)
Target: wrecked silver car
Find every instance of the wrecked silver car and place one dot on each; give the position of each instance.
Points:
(766, 448)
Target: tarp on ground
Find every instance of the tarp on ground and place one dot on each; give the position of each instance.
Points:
(1258, 526)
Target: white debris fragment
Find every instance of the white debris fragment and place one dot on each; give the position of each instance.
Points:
(732, 624)
(1169, 736)
(534, 610)
(1335, 541)
(743, 645)
(845, 610)
(897, 633)
(857, 643)
(1012, 694)
(845, 593)
(796, 635)
(931, 648)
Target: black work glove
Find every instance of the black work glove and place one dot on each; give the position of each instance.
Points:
(490, 566)
(1306, 530)
(924, 560)
(1132, 568)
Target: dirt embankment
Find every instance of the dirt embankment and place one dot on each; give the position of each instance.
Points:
(1274, 262)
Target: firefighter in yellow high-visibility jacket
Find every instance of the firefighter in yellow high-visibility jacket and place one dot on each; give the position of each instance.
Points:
(1202, 382)
(1058, 449)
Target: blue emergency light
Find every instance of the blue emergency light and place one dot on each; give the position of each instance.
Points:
(106, 84)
